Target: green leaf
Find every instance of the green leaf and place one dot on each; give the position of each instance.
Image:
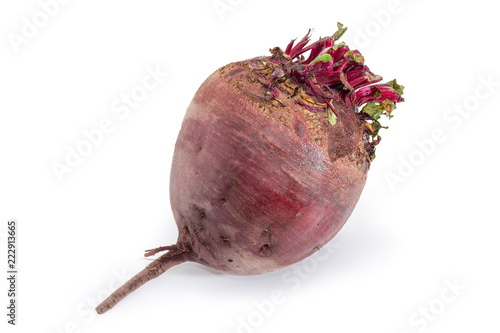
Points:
(375, 110)
(332, 118)
(341, 30)
(398, 87)
(324, 58)
(378, 93)
(388, 106)
(336, 46)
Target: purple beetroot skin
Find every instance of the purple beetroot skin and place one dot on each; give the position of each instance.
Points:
(271, 159)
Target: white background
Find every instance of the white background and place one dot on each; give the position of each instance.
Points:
(435, 225)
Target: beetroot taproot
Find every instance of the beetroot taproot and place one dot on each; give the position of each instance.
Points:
(271, 159)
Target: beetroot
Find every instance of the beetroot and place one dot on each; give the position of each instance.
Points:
(271, 159)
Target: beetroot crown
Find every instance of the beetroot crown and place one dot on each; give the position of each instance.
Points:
(333, 72)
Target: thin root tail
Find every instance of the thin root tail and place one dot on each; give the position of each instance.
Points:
(153, 270)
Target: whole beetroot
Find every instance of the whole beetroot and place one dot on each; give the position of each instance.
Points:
(271, 159)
